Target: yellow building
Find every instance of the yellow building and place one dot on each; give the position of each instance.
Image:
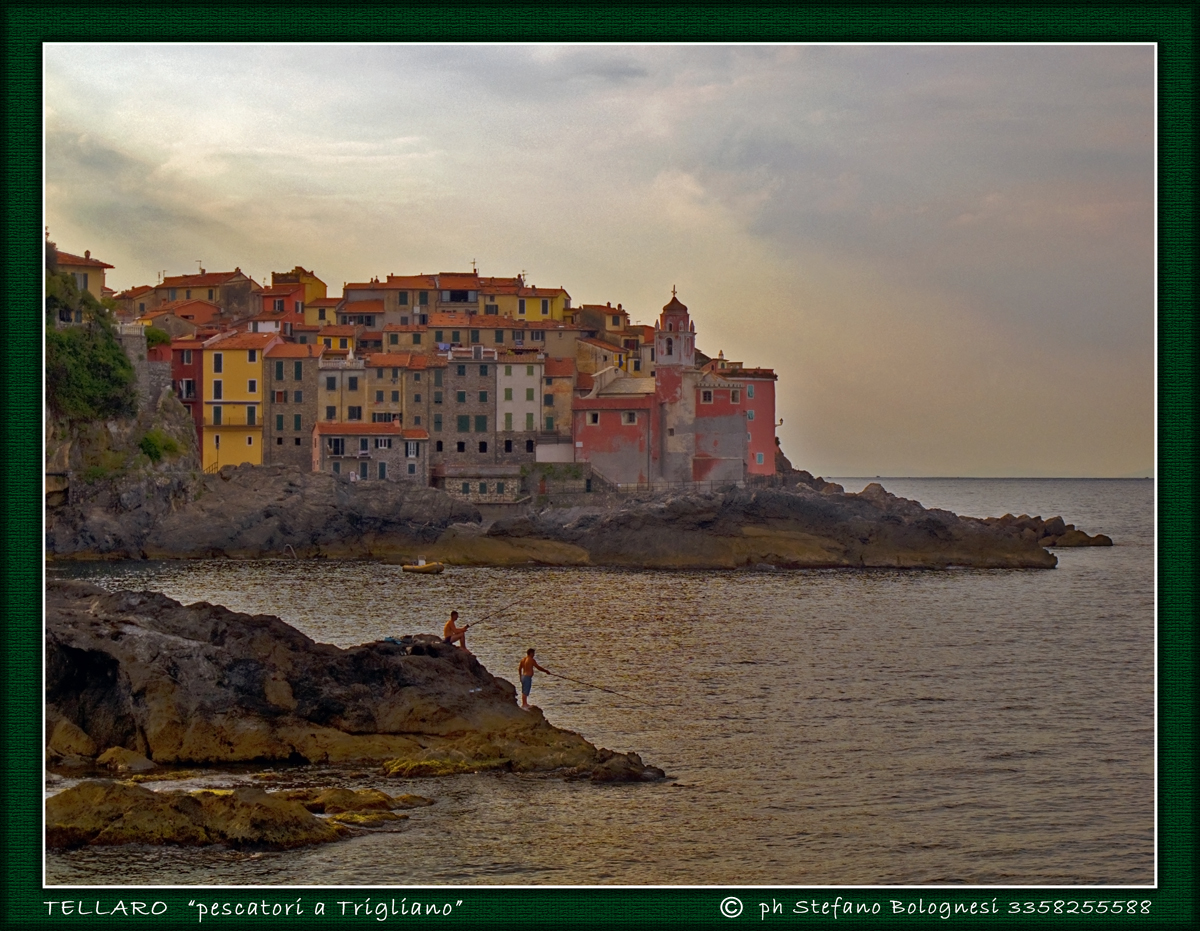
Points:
(512, 297)
(234, 393)
(342, 393)
(321, 312)
(314, 287)
(339, 336)
(88, 272)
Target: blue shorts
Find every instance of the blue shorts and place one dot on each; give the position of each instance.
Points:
(526, 685)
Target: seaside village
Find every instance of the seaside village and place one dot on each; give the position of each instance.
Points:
(468, 383)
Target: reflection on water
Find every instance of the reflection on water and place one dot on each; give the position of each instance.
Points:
(823, 727)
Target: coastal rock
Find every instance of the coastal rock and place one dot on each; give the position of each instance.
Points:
(67, 741)
(337, 800)
(202, 684)
(808, 525)
(100, 812)
(121, 760)
(1052, 532)
(805, 522)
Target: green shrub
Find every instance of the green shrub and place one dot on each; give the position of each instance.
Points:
(88, 375)
(94, 473)
(157, 444)
(157, 337)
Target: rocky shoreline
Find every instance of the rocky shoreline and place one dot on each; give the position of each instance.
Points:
(139, 685)
(273, 511)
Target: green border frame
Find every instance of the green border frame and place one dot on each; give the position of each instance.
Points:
(1171, 25)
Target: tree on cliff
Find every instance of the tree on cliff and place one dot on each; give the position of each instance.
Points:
(88, 375)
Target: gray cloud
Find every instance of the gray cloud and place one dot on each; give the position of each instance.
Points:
(962, 221)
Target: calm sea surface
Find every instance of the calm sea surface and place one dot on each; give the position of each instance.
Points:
(823, 727)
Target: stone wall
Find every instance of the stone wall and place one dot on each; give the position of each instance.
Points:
(152, 377)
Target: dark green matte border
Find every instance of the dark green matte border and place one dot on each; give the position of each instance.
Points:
(26, 26)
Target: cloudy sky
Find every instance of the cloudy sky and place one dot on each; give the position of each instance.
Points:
(946, 252)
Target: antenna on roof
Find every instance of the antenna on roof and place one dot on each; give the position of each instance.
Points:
(473, 268)
(199, 265)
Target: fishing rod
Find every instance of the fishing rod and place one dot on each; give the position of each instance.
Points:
(592, 685)
(497, 611)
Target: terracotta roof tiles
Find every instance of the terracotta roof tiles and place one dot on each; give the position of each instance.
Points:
(66, 258)
(245, 341)
(354, 429)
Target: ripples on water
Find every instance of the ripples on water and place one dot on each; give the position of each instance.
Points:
(823, 727)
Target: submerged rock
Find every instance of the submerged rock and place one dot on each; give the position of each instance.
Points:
(101, 812)
(200, 684)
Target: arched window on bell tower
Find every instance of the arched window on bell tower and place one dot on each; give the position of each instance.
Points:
(670, 346)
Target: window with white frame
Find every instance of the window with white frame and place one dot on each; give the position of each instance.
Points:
(706, 396)
(629, 417)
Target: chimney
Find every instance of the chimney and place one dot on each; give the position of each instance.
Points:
(87, 253)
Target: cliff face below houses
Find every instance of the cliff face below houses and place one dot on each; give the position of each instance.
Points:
(274, 511)
(136, 673)
(109, 482)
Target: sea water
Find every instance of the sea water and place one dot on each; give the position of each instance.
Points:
(821, 727)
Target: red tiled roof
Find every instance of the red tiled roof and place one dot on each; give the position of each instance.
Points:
(373, 306)
(245, 341)
(454, 318)
(294, 351)
(458, 281)
(415, 433)
(306, 328)
(560, 368)
(338, 329)
(403, 328)
(66, 258)
(584, 382)
(279, 290)
(394, 283)
(201, 281)
(135, 292)
(391, 426)
(324, 302)
(600, 344)
(187, 342)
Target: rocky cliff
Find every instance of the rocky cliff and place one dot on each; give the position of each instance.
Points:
(109, 482)
(199, 684)
(250, 512)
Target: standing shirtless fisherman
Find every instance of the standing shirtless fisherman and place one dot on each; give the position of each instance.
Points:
(455, 634)
(526, 668)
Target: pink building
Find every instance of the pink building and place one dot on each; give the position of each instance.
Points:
(681, 424)
(758, 403)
